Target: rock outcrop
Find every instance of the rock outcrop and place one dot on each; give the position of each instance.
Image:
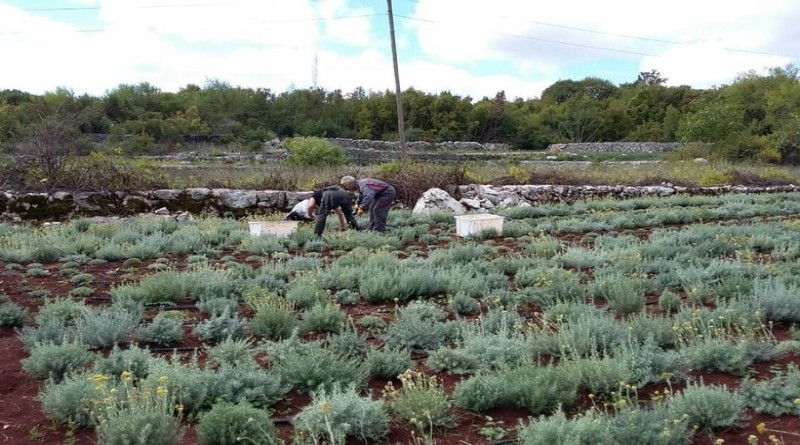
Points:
(485, 198)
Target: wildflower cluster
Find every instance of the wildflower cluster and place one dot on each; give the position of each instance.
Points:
(421, 401)
(128, 413)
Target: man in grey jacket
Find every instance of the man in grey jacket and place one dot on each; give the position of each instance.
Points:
(374, 196)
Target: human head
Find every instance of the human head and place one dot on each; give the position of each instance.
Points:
(348, 183)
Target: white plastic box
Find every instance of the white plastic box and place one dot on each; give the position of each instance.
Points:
(471, 224)
(276, 228)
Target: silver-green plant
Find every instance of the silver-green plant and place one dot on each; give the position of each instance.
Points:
(166, 329)
(70, 400)
(106, 326)
(221, 327)
(53, 361)
(235, 424)
(709, 407)
(307, 366)
(323, 317)
(387, 363)
(12, 315)
(336, 414)
(275, 317)
(775, 396)
(133, 360)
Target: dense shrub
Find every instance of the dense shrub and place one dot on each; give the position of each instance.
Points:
(229, 424)
(313, 151)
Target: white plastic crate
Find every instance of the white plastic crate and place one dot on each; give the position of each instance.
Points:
(277, 228)
(471, 224)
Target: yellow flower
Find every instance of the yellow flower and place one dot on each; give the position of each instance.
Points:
(161, 390)
(125, 375)
(163, 379)
(99, 377)
(761, 427)
(324, 407)
(752, 440)
(719, 441)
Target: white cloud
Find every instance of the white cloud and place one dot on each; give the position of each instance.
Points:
(692, 40)
(707, 66)
(467, 48)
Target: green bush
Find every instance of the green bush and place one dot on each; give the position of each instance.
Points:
(220, 327)
(776, 396)
(454, 361)
(234, 353)
(323, 317)
(191, 386)
(53, 361)
(348, 343)
(421, 401)
(335, 414)
(719, 355)
(308, 365)
(250, 384)
(669, 302)
(164, 330)
(313, 151)
(241, 423)
(105, 327)
(708, 407)
(70, 400)
(411, 331)
(12, 315)
(147, 415)
(387, 363)
(215, 306)
(482, 392)
(134, 360)
(463, 304)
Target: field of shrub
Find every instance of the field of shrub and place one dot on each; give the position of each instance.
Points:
(644, 321)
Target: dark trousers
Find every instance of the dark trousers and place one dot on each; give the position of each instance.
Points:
(380, 209)
(332, 199)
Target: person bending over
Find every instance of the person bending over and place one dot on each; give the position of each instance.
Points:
(335, 199)
(302, 211)
(374, 196)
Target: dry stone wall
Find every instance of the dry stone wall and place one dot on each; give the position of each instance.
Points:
(628, 147)
(59, 206)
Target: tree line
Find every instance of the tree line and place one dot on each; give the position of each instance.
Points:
(756, 117)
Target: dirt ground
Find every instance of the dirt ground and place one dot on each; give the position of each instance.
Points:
(22, 420)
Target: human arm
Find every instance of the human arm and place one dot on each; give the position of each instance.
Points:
(340, 215)
(312, 207)
(347, 211)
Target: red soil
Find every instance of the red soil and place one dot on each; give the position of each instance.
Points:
(22, 420)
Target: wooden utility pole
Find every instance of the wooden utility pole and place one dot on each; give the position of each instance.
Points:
(401, 133)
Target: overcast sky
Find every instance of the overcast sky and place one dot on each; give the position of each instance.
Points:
(469, 48)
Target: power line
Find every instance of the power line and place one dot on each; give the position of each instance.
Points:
(647, 39)
(539, 39)
(592, 31)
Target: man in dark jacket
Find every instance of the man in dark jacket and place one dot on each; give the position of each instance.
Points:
(374, 196)
(337, 199)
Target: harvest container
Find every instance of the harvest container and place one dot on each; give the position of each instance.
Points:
(471, 224)
(276, 228)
